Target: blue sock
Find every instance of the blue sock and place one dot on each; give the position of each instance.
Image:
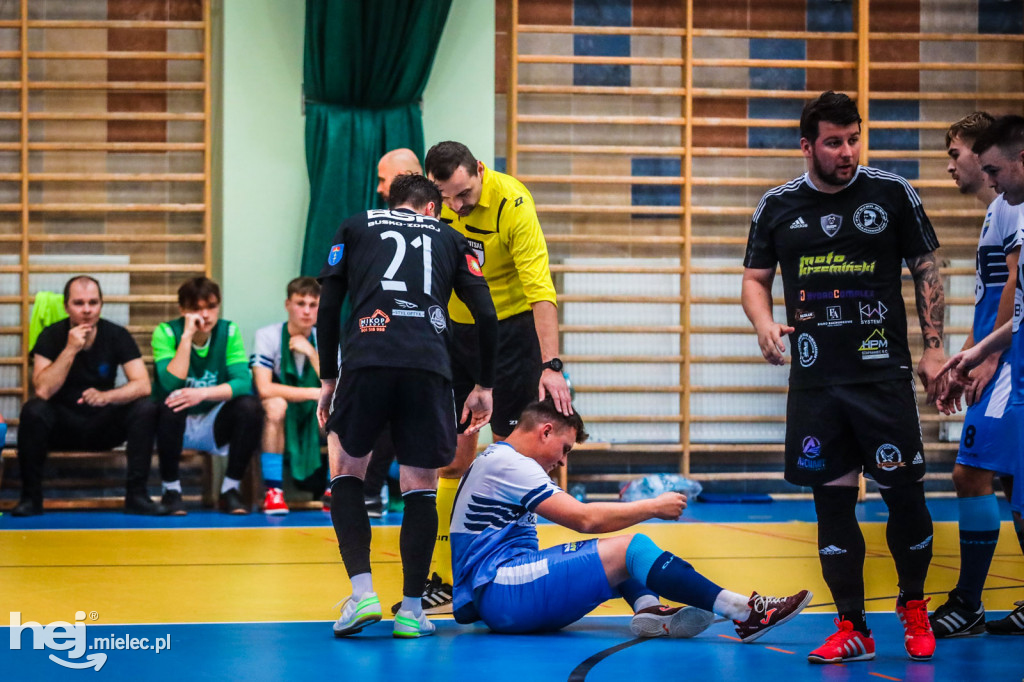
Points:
(979, 533)
(273, 469)
(633, 590)
(668, 575)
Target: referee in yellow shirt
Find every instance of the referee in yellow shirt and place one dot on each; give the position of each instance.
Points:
(496, 213)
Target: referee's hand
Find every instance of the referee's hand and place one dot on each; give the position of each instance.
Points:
(323, 407)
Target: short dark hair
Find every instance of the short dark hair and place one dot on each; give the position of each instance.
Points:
(541, 411)
(1006, 132)
(303, 286)
(444, 157)
(413, 190)
(831, 107)
(197, 289)
(969, 127)
(79, 278)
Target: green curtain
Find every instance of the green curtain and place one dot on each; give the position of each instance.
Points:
(366, 65)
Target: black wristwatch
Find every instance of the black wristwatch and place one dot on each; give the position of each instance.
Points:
(553, 363)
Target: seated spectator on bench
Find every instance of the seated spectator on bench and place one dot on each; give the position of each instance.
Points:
(204, 391)
(286, 373)
(77, 407)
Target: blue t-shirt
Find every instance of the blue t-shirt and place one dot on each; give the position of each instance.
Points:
(494, 519)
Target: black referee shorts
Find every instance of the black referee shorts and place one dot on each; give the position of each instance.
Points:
(517, 372)
(418, 404)
(836, 429)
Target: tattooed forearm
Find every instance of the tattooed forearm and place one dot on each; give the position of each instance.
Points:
(931, 301)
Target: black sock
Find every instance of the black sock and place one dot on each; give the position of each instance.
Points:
(909, 534)
(416, 540)
(841, 550)
(351, 524)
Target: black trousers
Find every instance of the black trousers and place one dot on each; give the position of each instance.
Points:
(239, 424)
(46, 426)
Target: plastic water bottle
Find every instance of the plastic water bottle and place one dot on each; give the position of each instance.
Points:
(655, 484)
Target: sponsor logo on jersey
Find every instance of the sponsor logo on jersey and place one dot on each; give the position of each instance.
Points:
(798, 223)
(437, 318)
(873, 314)
(807, 350)
(378, 322)
(518, 202)
(833, 263)
(835, 294)
(831, 550)
(802, 315)
(834, 317)
(918, 459)
(888, 457)
(474, 266)
(334, 257)
(870, 218)
(831, 223)
(810, 458)
(875, 347)
(406, 309)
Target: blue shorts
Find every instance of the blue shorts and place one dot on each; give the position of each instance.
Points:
(1016, 413)
(545, 590)
(989, 440)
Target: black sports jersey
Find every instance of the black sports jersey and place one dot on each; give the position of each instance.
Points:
(841, 257)
(399, 269)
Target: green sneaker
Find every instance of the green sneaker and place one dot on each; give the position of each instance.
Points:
(356, 615)
(408, 626)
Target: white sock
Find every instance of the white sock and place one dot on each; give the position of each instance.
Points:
(414, 605)
(644, 602)
(172, 485)
(732, 605)
(362, 584)
(229, 484)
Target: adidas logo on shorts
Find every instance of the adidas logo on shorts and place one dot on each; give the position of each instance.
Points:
(798, 223)
(918, 459)
(831, 550)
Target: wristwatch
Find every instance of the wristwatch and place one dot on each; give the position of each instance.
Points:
(553, 363)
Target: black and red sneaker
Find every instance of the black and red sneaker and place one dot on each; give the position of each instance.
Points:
(767, 612)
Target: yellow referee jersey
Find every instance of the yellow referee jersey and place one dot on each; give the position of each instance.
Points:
(505, 233)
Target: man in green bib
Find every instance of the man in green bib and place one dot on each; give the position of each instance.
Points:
(286, 374)
(204, 389)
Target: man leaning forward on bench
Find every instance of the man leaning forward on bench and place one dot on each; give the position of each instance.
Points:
(77, 407)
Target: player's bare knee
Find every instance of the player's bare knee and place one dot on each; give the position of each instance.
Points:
(275, 409)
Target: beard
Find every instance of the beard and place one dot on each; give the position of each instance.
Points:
(831, 178)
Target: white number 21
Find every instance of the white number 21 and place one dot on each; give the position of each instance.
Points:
(391, 284)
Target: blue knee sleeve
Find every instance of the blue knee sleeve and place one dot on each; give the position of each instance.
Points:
(979, 513)
(3, 434)
(641, 555)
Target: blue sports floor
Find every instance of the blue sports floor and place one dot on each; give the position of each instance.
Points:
(252, 599)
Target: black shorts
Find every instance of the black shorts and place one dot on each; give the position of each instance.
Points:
(418, 404)
(833, 430)
(517, 368)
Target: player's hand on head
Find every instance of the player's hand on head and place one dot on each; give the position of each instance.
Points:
(669, 505)
(554, 384)
(477, 408)
(78, 336)
(193, 323)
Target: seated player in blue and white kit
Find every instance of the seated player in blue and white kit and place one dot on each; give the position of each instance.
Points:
(1000, 151)
(987, 440)
(503, 578)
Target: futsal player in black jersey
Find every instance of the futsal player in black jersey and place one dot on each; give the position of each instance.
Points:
(399, 267)
(841, 233)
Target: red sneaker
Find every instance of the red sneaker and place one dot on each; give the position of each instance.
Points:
(918, 636)
(325, 501)
(273, 503)
(846, 645)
